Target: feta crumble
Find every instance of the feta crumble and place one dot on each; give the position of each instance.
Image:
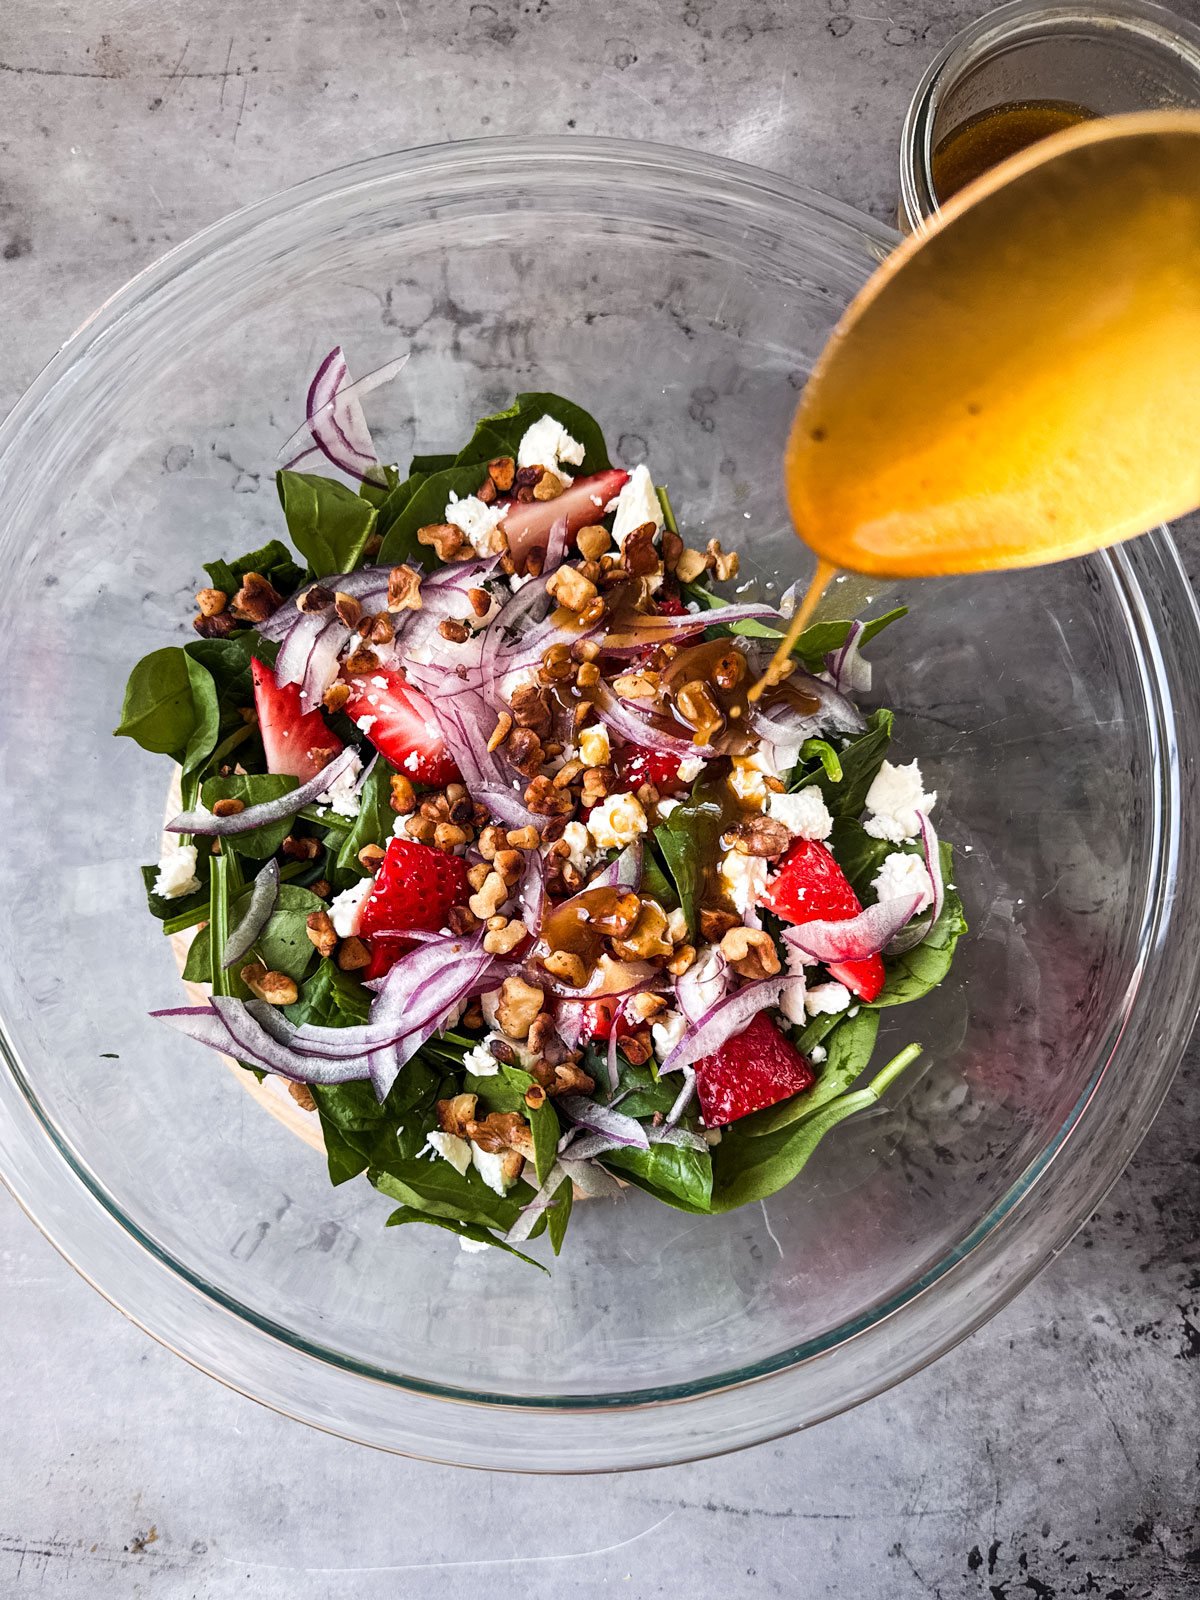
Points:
(472, 1246)
(344, 908)
(827, 999)
(637, 504)
(894, 799)
(546, 443)
(817, 1054)
(743, 878)
(690, 769)
(477, 521)
(489, 1165)
(792, 1001)
(902, 875)
(480, 1060)
(617, 821)
(176, 872)
(708, 976)
(804, 814)
(451, 1148)
(664, 808)
(365, 723)
(578, 840)
(594, 748)
(666, 1032)
(340, 795)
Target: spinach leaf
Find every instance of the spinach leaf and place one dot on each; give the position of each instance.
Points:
(861, 759)
(331, 998)
(358, 1131)
(424, 504)
(915, 973)
(252, 789)
(501, 434)
(746, 1168)
(851, 1043)
(284, 944)
(227, 662)
(440, 1190)
(858, 854)
(815, 643)
(465, 1230)
(425, 466)
(328, 523)
(171, 707)
(687, 841)
(376, 493)
(681, 1177)
(644, 1092)
(373, 824)
(821, 750)
(656, 885)
(273, 562)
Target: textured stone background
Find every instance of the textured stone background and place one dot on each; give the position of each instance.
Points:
(1055, 1453)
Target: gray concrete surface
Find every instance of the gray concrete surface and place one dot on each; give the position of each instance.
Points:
(1055, 1453)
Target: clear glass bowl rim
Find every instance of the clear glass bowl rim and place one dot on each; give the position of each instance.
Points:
(800, 1386)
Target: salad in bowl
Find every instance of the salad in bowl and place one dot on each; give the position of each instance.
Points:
(486, 850)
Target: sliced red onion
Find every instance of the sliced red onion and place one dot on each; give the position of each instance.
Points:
(846, 667)
(911, 937)
(854, 938)
(627, 722)
(336, 420)
(541, 1203)
(602, 1119)
(665, 1133)
(623, 872)
(611, 1065)
(695, 994)
(659, 629)
(784, 723)
(263, 899)
(202, 821)
(532, 893)
(591, 1145)
(683, 1099)
(722, 1021)
(247, 1040)
(360, 584)
(590, 1179)
(556, 547)
(321, 668)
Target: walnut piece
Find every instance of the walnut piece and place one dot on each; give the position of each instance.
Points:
(321, 933)
(502, 471)
(592, 542)
(565, 964)
(454, 1114)
(218, 627)
(549, 486)
(490, 896)
(524, 750)
(211, 602)
(544, 800)
(571, 589)
(750, 952)
(403, 797)
(647, 937)
(256, 599)
(501, 731)
(353, 955)
(519, 1003)
(301, 1094)
(501, 941)
(637, 551)
(766, 837)
(689, 564)
(362, 660)
(276, 988)
(404, 589)
(725, 566)
(315, 598)
(447, 540)
(335, 696)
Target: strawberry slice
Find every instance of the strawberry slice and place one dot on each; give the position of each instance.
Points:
(297, 742)
(597, 1019)
(403, 727)
(527, 525)
(414, 888)
(670, 605)
(637, 765)
(810, 887)
(757, 1067)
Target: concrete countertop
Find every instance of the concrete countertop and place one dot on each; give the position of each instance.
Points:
(1053, 1454)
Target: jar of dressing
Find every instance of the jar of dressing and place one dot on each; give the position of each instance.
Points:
(1027, 70)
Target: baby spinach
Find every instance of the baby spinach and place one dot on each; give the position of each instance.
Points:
(425, 466)
(191, 907)
(171, 707)
(687, 841)
(559, 1213)
(252, 789)
(680, 1176)
(815, 643)
(860, 760)
(425, 503)
(505, 1091)
(501, 434)
(273, 562)
(329, 524)
(465, 1230)
(655, 884)
(858, 853)
(919, 970)
(283, 945)
(440, 1190)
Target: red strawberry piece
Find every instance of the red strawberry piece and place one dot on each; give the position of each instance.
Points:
(297, 742)
(598, 1017)
(811, 887)
(415, 887)
(670, 605)
(582, 504)
(403, 727)
(638, 765)
(757, 1067)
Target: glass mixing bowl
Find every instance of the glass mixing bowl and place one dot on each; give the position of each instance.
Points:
(682, 300)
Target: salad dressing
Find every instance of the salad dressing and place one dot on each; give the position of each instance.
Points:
(1017, 384)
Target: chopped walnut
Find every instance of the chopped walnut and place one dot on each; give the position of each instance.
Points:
(725, 566)
(570, 588)
(320, 888)
(404, 589)
(321, 933)
(447, 836)
(481, 601)
(530, 704)
(526, 838)
(501, 731)
(493, 838)
(302, 1095)
(315, 598)
(570, 1079)
(420, 828)
(750, 952)
(211, 602)
(715, 922)
(647, 937)
(353, 955)
(228, 808)
(348, 609)
(565, 964)
(446, 539)
(637, 1047)
(729, 669)
(524, 750)
(549, 486)
(672, 549)
(646, 1006)
(592, 542)
(544, 800)
(321, 754)
(218, 627)
(371, 857)
(362, 660)
(486, 492)
(681, 960)
(502, 471)
(478, 874)
(307, 849)
(276, 988)
(454, 1114)
(593, 611)
(596, 783)
(758, 836)
(519, 1003)
(638, 554)
(461, 919)
(256, 599)
(696, 705)
(502, 941)
(381, 630)
(335, 696)
(488, 899)
(454, 631)
(689, 564)
(568, 772)
(636, 685)
(403, 797)
(509, 863)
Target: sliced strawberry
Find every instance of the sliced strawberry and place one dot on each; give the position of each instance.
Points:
(757, 1067)
(597, 1019)
(403, 727)
(811, 887)
(297, 742)
(415, 887)
(638, 765)
(582, 504)
(670, 605)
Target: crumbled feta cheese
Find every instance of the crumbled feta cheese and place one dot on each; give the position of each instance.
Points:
(176, 872)
(617, 821)
(340, 795)
(451, 1148)
(894, 799)
(664, 808)
(518, 580)
(743, 878)
(578, 840)
(594, 748)
(489, 1165)
(477, 521)
(412, 761)
(827, 999)
(666, 1031)
(690, 769)
(804, 814)
(480, 1060)
(472, 1246)
(344, 908)
(637, 504)
(548, 444)
(365, 723)
(817, 1054)
(379, 683)
(748, 783)
(902, 875)
(677, 926)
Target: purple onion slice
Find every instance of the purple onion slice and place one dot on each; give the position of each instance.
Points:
(911, 937)
(202, 821)
(263, 899)
(854, 938)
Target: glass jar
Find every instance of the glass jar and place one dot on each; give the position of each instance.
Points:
(1062, 61)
